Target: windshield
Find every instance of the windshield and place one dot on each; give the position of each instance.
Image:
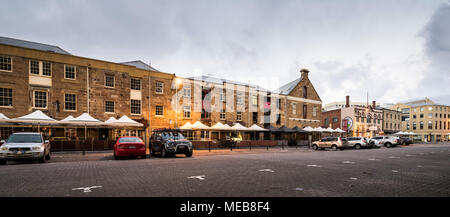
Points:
(129, 139)
(25, 138)
(170, 135)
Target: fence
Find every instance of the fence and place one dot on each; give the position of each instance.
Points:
(80, 145)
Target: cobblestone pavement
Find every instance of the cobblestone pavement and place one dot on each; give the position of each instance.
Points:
(417, 170)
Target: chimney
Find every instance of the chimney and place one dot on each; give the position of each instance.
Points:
(304, 72)
(374, 104)
(347, 101)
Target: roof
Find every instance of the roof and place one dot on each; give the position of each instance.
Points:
(210, 79)
(140, 65)
(32, 45)
(287, 88)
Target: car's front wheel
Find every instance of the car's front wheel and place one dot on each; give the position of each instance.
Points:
(388, 145)
(315, 147)
(357, 146)
(334, 147)
(189, 154)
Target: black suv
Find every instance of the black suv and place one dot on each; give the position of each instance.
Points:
(168, 142)
(405, 141)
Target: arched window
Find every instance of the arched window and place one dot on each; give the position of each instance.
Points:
(305, 92)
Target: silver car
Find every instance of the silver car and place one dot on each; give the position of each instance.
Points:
(358, 142)
(21, 146)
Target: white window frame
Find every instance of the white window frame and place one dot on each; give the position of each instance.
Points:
(40, 68)
(162, 87)
(113, 107)
(187, 110)
(140, 107)
(12, 98)
(65, 102)
(131, 83)
(187, 90)
(74, 72)
(11, 63)
(113, 81)
(34, 99)
(294, 108)
(156, 110)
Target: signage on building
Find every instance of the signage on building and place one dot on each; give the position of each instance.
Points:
(373, 128)
(347, 123)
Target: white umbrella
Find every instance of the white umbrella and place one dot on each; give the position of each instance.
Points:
(186, 126)
(227, 127)
(3, 117)
(308, 128)
(126, 121)
(68, 118)
(255, 127)
(329, 130)
(111, 120)
(319, 129)
(338, 130)
(220, 126)
(37, 115)
(199, 126)
(238, 126)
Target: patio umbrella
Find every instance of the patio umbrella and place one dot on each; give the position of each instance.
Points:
(299, 130)
(126, 121)
(199, 126)
(286, 129)
(308, 129)
(68, 118)
(239, 127)
(36, 117)
(186, 126)
(255, 127)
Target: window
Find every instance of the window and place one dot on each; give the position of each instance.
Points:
(46, 69)
(187, 92)
(186, 111)
(222, 116)
(254, 100)
(239, 116)
(430, 115)
(135, 84)
(34, 67)
(40, 99)
(421, 109)
(421, 125)
(222, 97)
(305, 92)
(255, 117)
(335, 119)
(109, 80)
(430, 108)
(69, 72)
(294, 108)
(414, 116)
(414, 125)
(304, 111)
(159, 110)
(430, 124)
(159, 87)
(5, 63)
(109, 107)
(314, 111)
(421, 115)
(135, 107)
(40, 68)
(326, 122)
(70, 102)
(278, 119)
(239, 98)
(6, 97)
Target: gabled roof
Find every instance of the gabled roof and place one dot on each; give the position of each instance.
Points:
(140, 65)
(32, 45)
(287, 88)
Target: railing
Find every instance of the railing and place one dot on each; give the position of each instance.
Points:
(81, 145)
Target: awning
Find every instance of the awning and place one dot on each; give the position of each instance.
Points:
(273, 129)
(285, 129)
(3, 117)
(299, 130)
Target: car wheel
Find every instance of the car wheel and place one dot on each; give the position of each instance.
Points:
(357, 146)
(3, 162)
(315, 147)
(387, 145)
(334, 147)
(163, 153)
(189, 154)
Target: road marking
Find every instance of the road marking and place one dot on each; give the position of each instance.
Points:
(393, 157)
(266, 170)
(394, 171)
(419, 166)
(373, 159)
(409, 155)
(353, 178)
(313, 165)
(86, 189)
(299, 189)
(348, 162)
(202, 177)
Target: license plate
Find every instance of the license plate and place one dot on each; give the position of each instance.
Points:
(131, 146)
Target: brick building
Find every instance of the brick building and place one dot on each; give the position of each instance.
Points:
(331, 118)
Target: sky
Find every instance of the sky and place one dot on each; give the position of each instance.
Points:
(391, 50)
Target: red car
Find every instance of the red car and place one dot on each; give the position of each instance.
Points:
(129, 146)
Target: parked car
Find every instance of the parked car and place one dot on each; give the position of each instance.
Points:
(358, 142)
(386, 141)
(128, 146)
(331, 142)
(25, 146)
(405, 140)
(169, 142)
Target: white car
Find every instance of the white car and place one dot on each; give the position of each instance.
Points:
(358, 142)
(21, 146)
(386, 141)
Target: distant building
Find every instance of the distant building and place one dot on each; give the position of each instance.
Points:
(428, 119)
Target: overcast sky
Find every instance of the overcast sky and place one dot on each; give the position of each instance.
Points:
(395, 50)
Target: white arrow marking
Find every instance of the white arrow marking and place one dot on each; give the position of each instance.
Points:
(202, 177)
(394, 171)
(266, 170)
(353, 178)
(299, 189)
(86, 189)
(348, 162)
(373, 159)
(313, 165)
